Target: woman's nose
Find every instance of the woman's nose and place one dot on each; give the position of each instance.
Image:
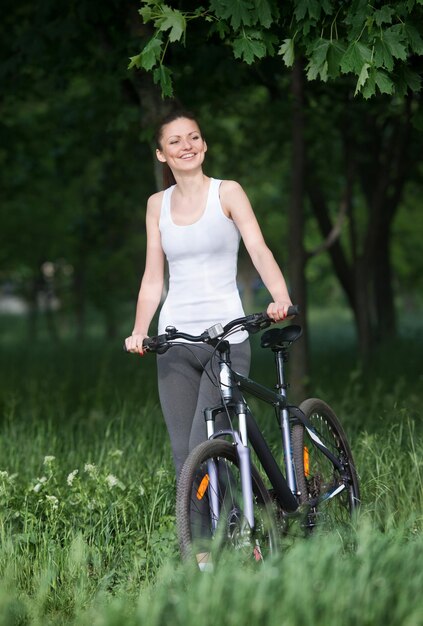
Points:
(186, 143)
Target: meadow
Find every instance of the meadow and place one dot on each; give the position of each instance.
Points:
(87, 493)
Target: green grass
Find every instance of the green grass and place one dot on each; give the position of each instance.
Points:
(87, 528)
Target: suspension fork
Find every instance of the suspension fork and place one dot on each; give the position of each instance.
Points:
(244, 456)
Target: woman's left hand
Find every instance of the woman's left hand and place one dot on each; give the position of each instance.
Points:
(278, 310)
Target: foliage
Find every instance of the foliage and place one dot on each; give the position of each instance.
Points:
(87, 496)
(74, 171)
(376, 43)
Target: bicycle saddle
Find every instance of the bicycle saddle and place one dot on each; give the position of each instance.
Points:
(278, 338)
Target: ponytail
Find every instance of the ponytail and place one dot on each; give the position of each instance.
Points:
(168, 177)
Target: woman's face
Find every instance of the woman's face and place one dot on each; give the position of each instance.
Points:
(182, 146)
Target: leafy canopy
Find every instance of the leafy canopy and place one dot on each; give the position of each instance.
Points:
(377, 43)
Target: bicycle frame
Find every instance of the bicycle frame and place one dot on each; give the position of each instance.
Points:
(232, 385)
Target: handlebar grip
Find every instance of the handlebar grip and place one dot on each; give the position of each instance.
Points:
(293, 310)
(147, 344)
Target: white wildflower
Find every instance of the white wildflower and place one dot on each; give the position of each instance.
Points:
(71, 477)
(113, 481)
(141, 490)
(116, 454)
(90, 469)
(48, 460)
(4, 474)
(40, 483)
(53, 501)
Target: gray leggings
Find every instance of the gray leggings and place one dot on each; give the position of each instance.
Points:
(185, 390)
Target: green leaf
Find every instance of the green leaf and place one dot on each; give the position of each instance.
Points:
(384, 83)
(311, 7)
(151, 53)
(317, 65)
(248, 48)
(412, 79)
(300, 10)
(327, 6)
(356, 17)
(318, 50)
(384, 15)
(146, 14)
(369, 88)
(237, 12)
(287, 52)
(382, 55)
(355, 56)
(163, 76)
(363, 76)
(314, 71)
(335, 53)
(270, 41)
(174, 21)
(392, 37)
(414, 38)
(264, 13)
(134, 61)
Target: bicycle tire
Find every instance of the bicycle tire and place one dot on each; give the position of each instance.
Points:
(316, 474)
(192, 514)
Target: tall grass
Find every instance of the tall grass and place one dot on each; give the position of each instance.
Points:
(87, 490)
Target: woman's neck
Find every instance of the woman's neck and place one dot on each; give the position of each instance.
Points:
(191, 183)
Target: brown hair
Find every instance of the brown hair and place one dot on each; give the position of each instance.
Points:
(168, 177)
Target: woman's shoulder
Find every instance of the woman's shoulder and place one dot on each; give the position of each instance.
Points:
(231, 189)
(230, 185)
(154, 205)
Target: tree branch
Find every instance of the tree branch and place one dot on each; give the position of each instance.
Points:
(331, 234)
(334, 233)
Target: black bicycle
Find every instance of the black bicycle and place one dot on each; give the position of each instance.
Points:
(223, 499)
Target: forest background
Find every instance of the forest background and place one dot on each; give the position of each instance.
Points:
(315, 108)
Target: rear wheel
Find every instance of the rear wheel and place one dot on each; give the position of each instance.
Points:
(334, 492)
(209, 507)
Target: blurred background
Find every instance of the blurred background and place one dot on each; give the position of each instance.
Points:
(335, 179)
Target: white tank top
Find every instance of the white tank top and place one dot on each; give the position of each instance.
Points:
(202, 260)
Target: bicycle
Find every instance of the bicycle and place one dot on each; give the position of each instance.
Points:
(222, 499)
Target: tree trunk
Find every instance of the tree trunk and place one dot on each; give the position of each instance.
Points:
(299, 367)
(382, 285)
(79, 300)
(35, 285)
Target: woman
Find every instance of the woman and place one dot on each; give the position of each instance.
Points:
(196, 223)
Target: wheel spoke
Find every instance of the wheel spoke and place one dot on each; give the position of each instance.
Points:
(210, 510)
(332, 493)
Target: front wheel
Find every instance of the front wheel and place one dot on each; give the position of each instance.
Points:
(209, 507)
(332, 492)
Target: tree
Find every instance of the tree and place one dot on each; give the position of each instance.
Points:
(368, 50)
(75, 171)
(374, 42)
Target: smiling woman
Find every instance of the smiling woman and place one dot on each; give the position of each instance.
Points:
(195, 224)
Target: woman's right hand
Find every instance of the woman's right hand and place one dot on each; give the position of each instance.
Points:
(134, 343)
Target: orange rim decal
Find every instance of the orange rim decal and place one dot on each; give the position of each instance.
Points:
(306, 458)
(202, 488)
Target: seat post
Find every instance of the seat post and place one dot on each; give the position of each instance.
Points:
(281, 357)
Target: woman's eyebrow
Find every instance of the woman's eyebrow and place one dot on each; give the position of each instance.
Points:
(192, 132)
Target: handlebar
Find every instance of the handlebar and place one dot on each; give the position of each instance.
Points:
(251, 323)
